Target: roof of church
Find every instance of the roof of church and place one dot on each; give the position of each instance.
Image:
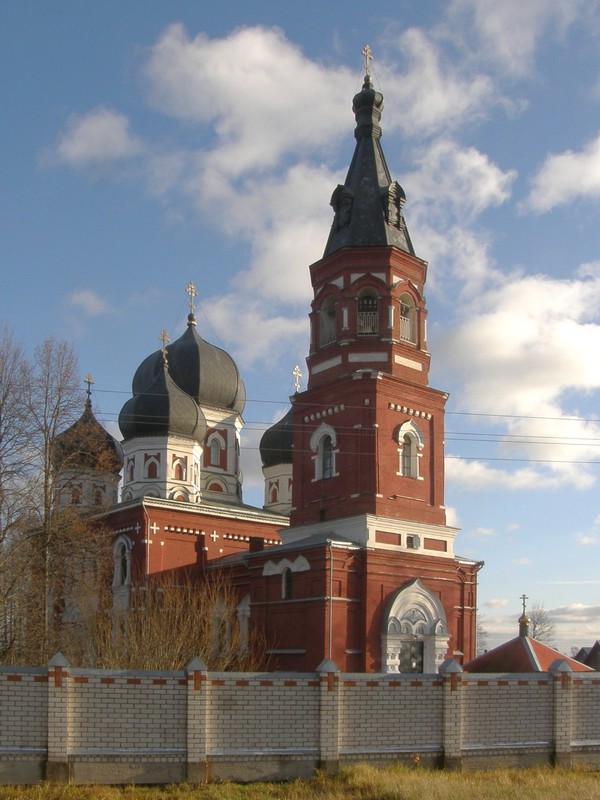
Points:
(368, 207)
(171, 383)
(521, 654)
(162, 408)
(88, 445)
(276, 442)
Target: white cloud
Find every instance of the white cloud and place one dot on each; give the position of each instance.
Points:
(97, 137)
(521, 562)
(508, 33)
(432, 94)
(88, 302)
(566, 177)
(585, 540)
(270, 102)
(496, 602)
(482, 532)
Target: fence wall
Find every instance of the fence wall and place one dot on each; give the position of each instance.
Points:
(110, 726)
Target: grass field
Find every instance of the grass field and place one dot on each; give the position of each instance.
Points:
(359, 783)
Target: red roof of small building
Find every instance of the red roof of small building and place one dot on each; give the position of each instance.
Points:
(521, 654)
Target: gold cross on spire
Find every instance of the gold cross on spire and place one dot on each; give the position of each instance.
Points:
(191, 292)
(164, 338)
(368, 56)
(297, 375)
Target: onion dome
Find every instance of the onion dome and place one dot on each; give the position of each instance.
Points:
(87, 445)
(162, 408)
(277, 441)
(205, 372)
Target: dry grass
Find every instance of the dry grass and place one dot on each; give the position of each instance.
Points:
(358, 783)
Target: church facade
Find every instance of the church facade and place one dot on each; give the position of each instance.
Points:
(350, 559)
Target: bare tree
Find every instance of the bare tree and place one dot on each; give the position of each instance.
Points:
(172, 619)
(541, 626)
(481, 635)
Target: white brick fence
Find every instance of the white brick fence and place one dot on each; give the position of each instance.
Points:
(112, 726)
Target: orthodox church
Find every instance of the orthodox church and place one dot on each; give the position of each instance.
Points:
(350, 557)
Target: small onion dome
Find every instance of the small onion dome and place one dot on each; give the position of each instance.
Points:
(87, 445)
(162, 409)
(200, 369)
(276, 442)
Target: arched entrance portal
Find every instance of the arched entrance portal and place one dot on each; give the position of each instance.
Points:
(415, 634)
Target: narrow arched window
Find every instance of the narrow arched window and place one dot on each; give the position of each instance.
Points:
(327, 457)
(286, 584)
(368, 317)
(407, 456)
(152, 469)
(215, 453)
(327, 332)
(408, 328)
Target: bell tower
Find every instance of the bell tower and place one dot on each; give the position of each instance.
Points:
(369, 430)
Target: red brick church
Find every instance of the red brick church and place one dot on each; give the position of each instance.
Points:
(350, 558)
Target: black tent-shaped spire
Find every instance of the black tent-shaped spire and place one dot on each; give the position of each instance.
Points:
(368, 207)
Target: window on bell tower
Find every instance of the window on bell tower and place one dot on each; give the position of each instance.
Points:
(323, 443)
(327, 323)
(408, 328)
(368, 316)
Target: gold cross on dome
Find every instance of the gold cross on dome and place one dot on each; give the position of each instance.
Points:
(164, 338)
(368, 56)
(297, 375)
(191, 292)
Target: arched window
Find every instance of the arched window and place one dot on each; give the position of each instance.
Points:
(410, 446)
(75, 496)
(323, 443)
(408, 328)
(368, 317)
(98, 496)
(122, 563)
(326, 457)
(130, 469)
(327, 332)
(407, 456)
(179, 469)
(152, 468)
(274, 493)
(215, 453)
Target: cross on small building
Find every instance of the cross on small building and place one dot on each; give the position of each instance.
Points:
(89, 382)
(154, 527)
(297, 375)
(191, 292)
(214, 536)
(137, 527)
(523, 598)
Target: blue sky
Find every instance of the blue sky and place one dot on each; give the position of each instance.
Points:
(146, 144)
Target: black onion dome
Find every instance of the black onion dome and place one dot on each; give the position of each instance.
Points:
(276, 442)
(200, 369)
(162, 408)
(87, 445)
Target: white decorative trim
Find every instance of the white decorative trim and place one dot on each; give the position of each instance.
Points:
(358, 357)
(408, 362)
(299, 564)
(325, 365)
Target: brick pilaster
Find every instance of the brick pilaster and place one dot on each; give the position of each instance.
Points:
(57, 764)
(196, 721)
(329, 715)
(562, 722)
(452, 693)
